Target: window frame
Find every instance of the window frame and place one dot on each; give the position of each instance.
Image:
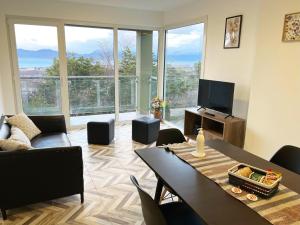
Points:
(60, 24)
(162, 83)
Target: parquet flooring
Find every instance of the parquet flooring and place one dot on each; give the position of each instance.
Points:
(110, 198)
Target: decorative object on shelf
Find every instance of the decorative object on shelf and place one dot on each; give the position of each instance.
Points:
(291, 28)
(233, 28)
(157, 105)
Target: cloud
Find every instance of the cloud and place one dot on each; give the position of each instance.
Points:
(180, 41)
(32, 37)
(185, 40)
(83, 34)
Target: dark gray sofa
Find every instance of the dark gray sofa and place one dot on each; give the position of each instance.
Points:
(53, 169)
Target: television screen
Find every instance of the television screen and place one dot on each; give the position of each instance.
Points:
(216, 95)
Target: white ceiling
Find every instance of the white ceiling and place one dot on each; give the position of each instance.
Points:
(154, 5)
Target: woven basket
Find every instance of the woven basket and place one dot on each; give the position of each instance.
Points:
(251, 186)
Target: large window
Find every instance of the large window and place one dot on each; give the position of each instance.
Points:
(37, 52)
(92, 89)
(90, 73)
(183, 59)
(127, 42)
(137, 70)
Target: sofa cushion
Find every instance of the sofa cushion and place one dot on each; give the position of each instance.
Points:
(13, 145)
(4, 131)
(18, 135)
(51, 140)
(25, 124)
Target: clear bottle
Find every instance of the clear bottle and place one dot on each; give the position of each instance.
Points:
(200, 143)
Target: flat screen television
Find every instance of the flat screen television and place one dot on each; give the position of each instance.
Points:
(216, 95)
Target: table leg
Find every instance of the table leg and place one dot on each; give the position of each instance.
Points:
(4, 216)
(158, 191)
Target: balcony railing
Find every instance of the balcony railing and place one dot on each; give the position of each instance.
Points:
(181, 91)
(88, 95)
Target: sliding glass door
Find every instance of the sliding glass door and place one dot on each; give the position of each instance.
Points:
(37, 60)
(90, 67)
(92, 89)
(183, 60)
(128, 79)
(89, 71)
(137, 72)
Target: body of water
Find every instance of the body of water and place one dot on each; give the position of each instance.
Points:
(34, 62)
(25, 62)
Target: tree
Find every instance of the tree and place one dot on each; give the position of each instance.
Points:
(82, 92)
(86, 84)
(78, 67)
(197, 68)
(128, 63)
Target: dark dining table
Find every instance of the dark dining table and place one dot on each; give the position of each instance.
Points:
(205, 197)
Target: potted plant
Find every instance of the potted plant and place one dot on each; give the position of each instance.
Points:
(157, 106)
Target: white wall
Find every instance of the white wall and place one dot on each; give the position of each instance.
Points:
(264, 66)
(65, 11)
(274, 111)
(1, 97)
(233, 65)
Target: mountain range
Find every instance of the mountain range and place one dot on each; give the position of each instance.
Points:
(50, 54)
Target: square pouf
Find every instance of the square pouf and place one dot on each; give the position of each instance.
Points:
(101, 133)
(145, 130)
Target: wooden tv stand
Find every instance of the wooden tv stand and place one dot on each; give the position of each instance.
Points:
(231, 129)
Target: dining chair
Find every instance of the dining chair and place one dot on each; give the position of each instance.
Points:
(169, 136)
(165, 137)
(174, 213)
(288, 157)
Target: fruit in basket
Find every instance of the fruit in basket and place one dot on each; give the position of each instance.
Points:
(245, 171)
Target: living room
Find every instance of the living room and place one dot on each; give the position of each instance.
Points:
(261, 67)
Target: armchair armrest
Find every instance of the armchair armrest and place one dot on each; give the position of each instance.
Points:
(50, 124)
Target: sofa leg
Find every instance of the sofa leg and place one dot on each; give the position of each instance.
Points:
(4, 216)
(82, 198)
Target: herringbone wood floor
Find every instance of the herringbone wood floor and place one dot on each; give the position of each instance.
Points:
(110, 198)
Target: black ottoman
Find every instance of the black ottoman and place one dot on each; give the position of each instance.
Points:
(145, 130)
(101, 132)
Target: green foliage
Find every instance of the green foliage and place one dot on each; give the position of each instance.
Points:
(127, 65)
(78, 67)
(86, 93)
(180, 83)
(197, 68)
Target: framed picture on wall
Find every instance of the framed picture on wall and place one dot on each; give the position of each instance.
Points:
(291, 27)
(233, 26)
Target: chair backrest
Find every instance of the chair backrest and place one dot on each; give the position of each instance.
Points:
(151, 211)
(169, 136)
(288, 157)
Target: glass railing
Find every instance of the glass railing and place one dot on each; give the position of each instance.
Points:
(41, 94)
(128, 87)
(180, 92)
(88, 95)
(152, 87)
